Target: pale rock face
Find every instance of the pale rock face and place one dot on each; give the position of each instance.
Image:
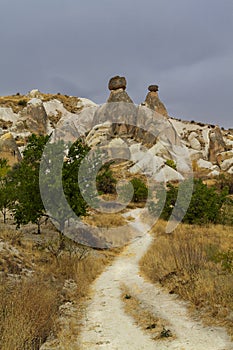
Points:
(35, 93)
(85, 102)
(226, 164)
(230, 171)
(33, 118)
(223, 156)
(195, 155)
(216, 145)
(161, 150)
(149, 165)
(136, 153)
(138, 133)
(117, 148)
(214, 173)
(98, 135)
(8, 115)
(215, 168)
(54, 106)
(204, 164)
(36, 117)
(73, 126)
(167, 174)
(194, 142)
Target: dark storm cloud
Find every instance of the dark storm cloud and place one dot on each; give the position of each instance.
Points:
(75, 46)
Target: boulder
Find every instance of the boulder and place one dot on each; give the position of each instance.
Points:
(194, 142)
(226, 164)
(204, 164)
(214, 173)
(7, 115)
(216, 144)
(37, 118)
(153, 88)
(117, 82)
(223, 156)
(9, 149)
(35, 93)
(167, 174)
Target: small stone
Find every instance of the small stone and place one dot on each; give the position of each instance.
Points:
(153, 88)
(117, 82)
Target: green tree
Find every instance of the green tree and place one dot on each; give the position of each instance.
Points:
(77, 153)
(6, 189)
(205, 205)
(140, 190)
(57, 182)
(105, 181)
(25, 178)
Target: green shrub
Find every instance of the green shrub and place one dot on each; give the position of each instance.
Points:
(225, 259)
(171, 163)
(225, 180)
(206, 204)
(22, 103)
(140, 190)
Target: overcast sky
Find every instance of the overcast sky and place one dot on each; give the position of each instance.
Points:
(74, 47)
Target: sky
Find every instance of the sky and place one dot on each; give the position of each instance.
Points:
(75, 46)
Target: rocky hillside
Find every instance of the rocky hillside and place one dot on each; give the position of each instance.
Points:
(145, 135)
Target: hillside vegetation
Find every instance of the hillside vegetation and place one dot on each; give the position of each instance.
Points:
(195, 262)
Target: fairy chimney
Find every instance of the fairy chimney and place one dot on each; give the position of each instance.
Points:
(153, 101)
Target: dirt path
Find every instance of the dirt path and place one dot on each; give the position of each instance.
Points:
(106, 326)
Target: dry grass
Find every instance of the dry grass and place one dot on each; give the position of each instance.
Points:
(155, 327)
(32, 302)
(15, 101)
(185, 262)
(114, 229)
(105, 220)
(27, 313)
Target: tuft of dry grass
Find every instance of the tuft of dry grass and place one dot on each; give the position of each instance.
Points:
(27, 313)
(105, 220)
(31, 301)
(14, 102)
(186, 263)
(18, 102)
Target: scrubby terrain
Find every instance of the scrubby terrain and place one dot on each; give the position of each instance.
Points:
(113, 279)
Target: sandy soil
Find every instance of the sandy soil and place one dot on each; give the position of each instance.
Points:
(106, 326)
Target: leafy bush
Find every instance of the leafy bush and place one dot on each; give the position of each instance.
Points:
(140, 190)
(225, 259)
(225, 180)
(205, 206)
(171, 163)
(22, 103)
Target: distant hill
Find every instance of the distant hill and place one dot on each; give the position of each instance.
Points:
(145, 135)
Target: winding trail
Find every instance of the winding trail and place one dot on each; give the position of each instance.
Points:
(107, 327)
